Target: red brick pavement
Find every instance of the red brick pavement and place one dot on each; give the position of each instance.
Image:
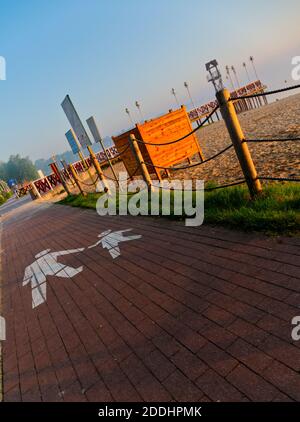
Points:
(185, 314)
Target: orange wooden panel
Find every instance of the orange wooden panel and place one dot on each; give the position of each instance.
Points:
(167, 128)
(163, 129)
(121, 142)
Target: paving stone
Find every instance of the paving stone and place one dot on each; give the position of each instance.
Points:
(174, 318)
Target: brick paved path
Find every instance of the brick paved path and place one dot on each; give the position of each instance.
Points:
(183, 314)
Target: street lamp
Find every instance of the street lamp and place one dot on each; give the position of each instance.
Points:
(235, 75)
(189, 93)
(251, 58)
(245, 67)
(174, 93)
(193, 104)
(229, 77)
(129, 115)
(138, 106)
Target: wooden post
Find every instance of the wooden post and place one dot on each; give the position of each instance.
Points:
(109, 161)
(238, 140)
(35, 190)
(60, 176)
(85, 165)
(76, 179)
(98, 168)
(140, 161)
(64, 184)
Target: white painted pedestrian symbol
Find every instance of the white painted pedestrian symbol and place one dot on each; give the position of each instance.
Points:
(110, 240)
(46, 264)
(2, 329)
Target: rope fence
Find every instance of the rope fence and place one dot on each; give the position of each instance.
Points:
(116, 156)
(70, 183)
(228, 185)
(224, 103)
(238, 182)
(183, 137)
(128, 178)
(279, 179)
(272, 140)
(191, 165)
(86, 183)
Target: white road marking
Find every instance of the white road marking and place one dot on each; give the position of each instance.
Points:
(2, 329)
(110, 240)
(46, 264)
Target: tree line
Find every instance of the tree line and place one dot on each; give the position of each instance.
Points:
(18, 168)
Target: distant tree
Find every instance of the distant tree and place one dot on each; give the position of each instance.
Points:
(3, 171)
(21, 169)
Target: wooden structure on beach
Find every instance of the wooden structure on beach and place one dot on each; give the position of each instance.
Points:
(161, 130)
(240, 106)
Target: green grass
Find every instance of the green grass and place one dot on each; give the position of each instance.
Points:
(4, 196)
(275, 212)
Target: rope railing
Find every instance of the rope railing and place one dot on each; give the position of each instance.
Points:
(183, 137)
(280, 179)
(128, 178)
(262, 94)
(97, 177)
(120, 193)
(191, 165)
(116, 156)
(88, 184)
(70, 183)
(238, 182)
(272, 140)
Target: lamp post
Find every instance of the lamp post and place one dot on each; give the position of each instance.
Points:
(242, 103)
(250, 101)
(235, 75)
(189, 93)
(251, 58)
(174, 93)
(138, 106)
(237, 106)
(248, 76)
(229, 77)
(129, 115)
(193, 104)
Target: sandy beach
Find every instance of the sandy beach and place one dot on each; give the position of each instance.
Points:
(280, 119)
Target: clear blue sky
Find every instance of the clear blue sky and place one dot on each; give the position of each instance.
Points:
(108, 53)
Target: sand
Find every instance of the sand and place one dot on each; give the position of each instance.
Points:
(280, 119)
